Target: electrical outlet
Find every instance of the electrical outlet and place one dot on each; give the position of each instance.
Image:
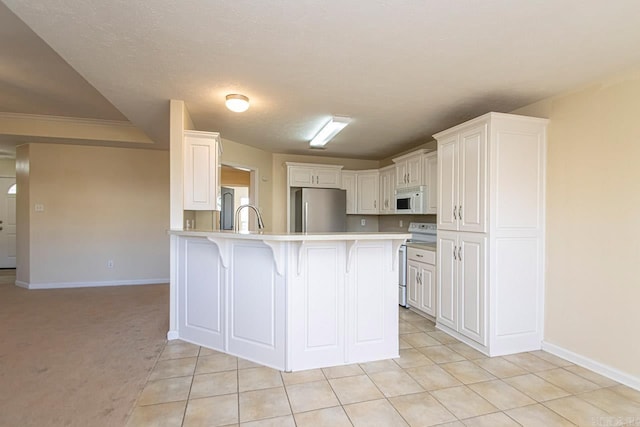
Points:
(401, 223)
(363, 222)
(110, 263)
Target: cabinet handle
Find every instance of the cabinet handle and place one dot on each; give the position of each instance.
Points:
(420, 256)
(459, 253)
(419, 277)
(375, 204)
(454, 212)
(460, 212)
(454, 253)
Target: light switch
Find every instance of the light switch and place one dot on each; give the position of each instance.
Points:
(39, 207)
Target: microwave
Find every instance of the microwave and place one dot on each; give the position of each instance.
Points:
(411, 200)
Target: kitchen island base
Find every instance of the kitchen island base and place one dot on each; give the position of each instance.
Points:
(290, 301)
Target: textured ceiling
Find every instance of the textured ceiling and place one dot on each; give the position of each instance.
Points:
(402, 70)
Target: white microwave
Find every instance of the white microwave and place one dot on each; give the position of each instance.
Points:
(411, 200)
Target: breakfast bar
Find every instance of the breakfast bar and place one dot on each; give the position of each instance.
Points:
(291, 301)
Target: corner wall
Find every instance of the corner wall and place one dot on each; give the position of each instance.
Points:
(593, 224)
(100, 204)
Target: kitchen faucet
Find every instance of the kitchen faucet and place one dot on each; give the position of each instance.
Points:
(236, 224)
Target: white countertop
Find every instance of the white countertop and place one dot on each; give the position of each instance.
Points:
(290, 237)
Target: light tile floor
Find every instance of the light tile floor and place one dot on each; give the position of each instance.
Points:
(436, 381)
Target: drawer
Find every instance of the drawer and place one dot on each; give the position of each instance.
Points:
(421, 255)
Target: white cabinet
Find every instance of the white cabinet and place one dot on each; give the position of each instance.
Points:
(430, 179)
(349, 184)
(409, 169)
(491, 192)
(362, 191)
(312, 175)
(201, 170)
(367, 192)
(462, 178)
(387, 190)
(461, 283)
(421, 280)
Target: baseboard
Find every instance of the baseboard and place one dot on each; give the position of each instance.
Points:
(597, 367)
(172, 335)
(63, 285)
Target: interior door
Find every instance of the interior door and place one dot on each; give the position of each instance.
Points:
(227, 208)
(7, 223)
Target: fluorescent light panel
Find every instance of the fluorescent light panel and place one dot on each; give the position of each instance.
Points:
(331, 129)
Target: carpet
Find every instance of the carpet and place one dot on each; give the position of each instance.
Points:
(77, 357)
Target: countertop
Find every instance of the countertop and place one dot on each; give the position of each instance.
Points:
(290, 237)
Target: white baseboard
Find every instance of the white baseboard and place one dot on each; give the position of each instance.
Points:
(62, 285)
(172, 335)
(597, 367)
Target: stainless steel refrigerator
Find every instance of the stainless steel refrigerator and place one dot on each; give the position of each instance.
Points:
(319, 210)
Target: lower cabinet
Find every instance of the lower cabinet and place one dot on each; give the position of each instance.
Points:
(421, 280)
(461, 301)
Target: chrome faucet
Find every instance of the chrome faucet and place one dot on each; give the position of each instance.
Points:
(236, 224)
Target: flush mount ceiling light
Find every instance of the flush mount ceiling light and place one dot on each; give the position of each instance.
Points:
(237, 103)
(331, 129)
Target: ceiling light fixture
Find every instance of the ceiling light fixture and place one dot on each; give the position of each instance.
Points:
(331, 129)
(237, 103)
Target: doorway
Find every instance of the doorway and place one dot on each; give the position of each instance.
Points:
(8, 222)
(238, 188)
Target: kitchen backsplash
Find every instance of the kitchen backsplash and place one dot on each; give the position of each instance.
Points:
(391, 223)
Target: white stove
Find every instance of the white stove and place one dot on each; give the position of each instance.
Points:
(421, 232)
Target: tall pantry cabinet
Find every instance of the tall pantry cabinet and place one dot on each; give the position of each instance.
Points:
(490, 266)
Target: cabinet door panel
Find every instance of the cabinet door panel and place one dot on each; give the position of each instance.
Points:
(201, 295)
(413, 297)
(472, 151)
(471, 258)
(317, 301)
(428, 288)
(257, 304)
(200, 171)
(300, 176)
(367, 191)
(447, 183)
(414, 171)
(349, 184)
(447, 301)
(327, 178)
(431, 181)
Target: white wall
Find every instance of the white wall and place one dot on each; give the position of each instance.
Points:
(593, 222)
(100, 204)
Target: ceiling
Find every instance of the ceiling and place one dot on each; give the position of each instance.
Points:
(401, 69)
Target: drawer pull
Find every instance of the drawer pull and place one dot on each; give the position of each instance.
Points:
(420, 256)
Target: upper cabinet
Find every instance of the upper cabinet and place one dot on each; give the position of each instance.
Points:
(367, 192)
(349, 184)
(362, 191)
(409, 169)
(430, 180)
(201, 170)
(311, 175)
(462, 179)
(387, 190)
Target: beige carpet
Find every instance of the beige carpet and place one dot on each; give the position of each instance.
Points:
(77, 357)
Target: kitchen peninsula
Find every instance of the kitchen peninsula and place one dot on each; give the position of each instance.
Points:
(291, 301)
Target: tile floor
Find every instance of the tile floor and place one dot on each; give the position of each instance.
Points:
(436, 381)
